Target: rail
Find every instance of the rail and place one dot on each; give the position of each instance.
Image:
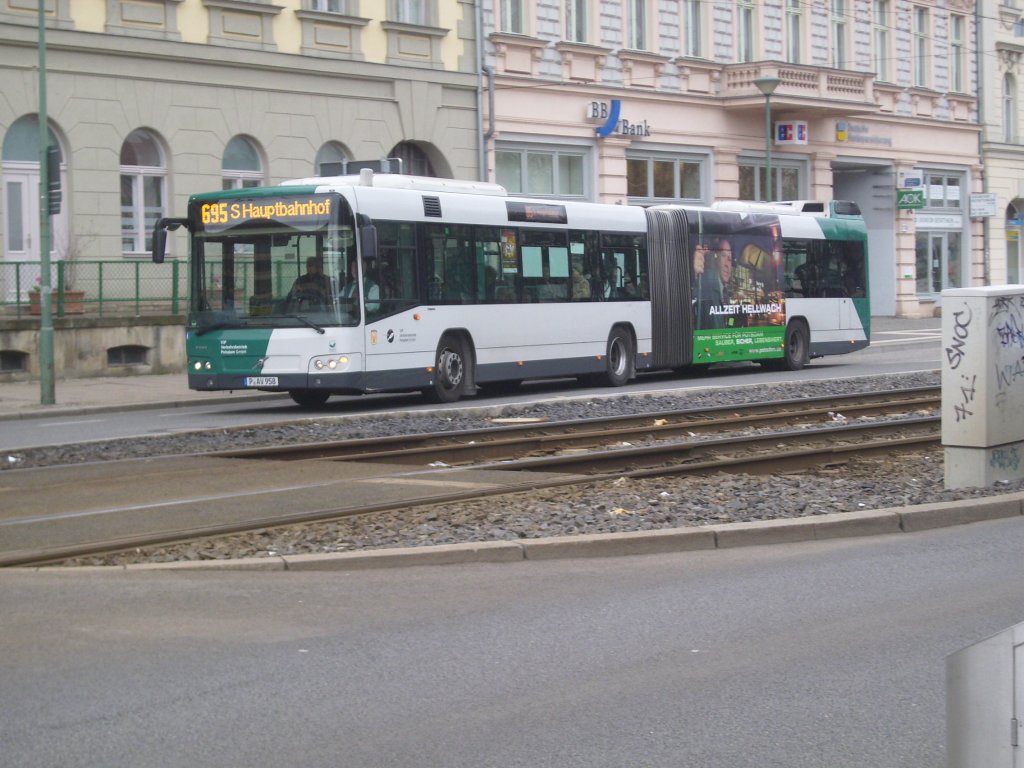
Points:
(102, 514)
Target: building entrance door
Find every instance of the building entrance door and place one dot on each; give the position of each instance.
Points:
(939, 262)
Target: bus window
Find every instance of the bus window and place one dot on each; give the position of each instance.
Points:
(545, 258)
(395, 269)
(490, 279)
(622, 271)
(798, 280)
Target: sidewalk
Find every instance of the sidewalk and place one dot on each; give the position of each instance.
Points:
(21, 399)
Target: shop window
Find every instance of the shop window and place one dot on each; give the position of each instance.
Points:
(656, 178)
(143, 190)
(541, 172)
(787, 180)
(942, 191)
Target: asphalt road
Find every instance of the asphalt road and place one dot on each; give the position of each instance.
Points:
(824, 654)
(897, 351)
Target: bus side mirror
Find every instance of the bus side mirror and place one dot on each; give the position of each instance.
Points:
(160, 236)
(368, 242)
(159, 244)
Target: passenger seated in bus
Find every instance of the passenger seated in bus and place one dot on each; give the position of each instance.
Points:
(311, 290)
(490, 282)
(371, 291)
(580, 285)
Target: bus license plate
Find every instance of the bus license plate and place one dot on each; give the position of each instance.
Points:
(261, 381)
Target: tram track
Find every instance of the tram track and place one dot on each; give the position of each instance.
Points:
(507, 459)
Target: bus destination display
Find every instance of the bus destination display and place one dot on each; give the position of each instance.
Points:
(306, 212)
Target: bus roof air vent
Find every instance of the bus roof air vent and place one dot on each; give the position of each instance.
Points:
(432, 206)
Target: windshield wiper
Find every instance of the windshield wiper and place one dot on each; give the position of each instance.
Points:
(305, 321)
(214, 327)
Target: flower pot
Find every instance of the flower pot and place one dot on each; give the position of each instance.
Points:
(74, 302)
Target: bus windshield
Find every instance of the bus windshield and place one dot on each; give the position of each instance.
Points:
(275, 262)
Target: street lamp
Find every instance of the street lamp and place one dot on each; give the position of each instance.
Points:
(767, 86)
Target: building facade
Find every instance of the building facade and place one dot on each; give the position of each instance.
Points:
(1001, 63)
(621, 101)
(646, 101)
(151, 101)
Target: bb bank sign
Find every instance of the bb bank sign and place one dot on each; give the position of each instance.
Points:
(609, 115)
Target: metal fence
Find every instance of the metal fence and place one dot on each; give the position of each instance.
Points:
(95, 288)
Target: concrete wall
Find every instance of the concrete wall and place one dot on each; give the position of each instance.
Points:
(81, 346)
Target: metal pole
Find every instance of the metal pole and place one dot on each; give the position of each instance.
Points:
(768, 145)
(46, 388)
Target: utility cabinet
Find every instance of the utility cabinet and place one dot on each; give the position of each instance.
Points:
(985, 703)
(983, 385)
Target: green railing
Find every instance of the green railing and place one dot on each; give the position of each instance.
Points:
(95, 288)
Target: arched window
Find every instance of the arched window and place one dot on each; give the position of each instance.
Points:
(19, 175)
(330, 160)
(242, 166)
(414, 160)
(1009, 108)
(143, 190)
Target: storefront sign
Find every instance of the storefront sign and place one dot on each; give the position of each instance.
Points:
(938, 221)
(611, 121)
(791, 132)
(908, 199)
(859, 133)
(983, 204)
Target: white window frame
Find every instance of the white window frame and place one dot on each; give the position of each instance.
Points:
(414, 12)
(922, 46)
(704, 166)
(746, 31)
(513, 16)
(957, 53)
(693, 28)
(1009, 108)
(556, 151)
(882, 37)
(577, 21)
(794, 31)
(840, 35)
(141, 226)
(637, 20)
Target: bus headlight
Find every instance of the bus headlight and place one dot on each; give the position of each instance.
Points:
(331, 362)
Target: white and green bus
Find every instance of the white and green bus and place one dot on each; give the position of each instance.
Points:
(377, 283)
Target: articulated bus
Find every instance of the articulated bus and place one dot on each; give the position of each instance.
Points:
(378, 282)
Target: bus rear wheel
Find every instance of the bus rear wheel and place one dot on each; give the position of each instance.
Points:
(797, 349)
(309, 398)
(620, 358)
(449, 371)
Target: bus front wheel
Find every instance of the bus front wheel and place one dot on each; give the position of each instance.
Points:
(449, 371)
(309, 398)
(620, 359)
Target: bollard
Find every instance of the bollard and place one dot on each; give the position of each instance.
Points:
(983, 385)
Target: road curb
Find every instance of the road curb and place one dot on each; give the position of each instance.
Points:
(835, 525)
